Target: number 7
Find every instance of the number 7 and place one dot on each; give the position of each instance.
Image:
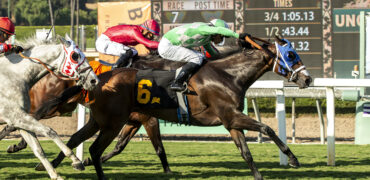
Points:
(175, 18)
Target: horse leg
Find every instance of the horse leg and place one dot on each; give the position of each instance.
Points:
(240, 142)
(12, 148)
(152, 128)
(29, 123)
(15, 148)
(103, 140)
(128, 131)
(39, 153)
(87, 131)
(6, 131)
(242, 121)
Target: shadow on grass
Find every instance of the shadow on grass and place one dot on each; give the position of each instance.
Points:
(148, 169)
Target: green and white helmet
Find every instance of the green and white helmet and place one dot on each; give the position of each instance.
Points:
(219, 23)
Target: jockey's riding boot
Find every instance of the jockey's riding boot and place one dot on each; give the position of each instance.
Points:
(123, 60)
(185, 73)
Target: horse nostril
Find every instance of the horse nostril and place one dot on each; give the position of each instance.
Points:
(308, 81)
(93, 81)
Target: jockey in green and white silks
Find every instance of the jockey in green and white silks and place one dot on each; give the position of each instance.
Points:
(175, 45)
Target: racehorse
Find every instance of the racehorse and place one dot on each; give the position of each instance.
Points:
(246, 66)
(20, 73)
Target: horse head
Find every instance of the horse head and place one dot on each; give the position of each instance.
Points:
(288, 64)
(74, 65)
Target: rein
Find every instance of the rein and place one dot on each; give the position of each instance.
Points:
(254, 44)
(46, 67)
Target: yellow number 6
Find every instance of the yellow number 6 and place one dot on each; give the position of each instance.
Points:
(143, 95)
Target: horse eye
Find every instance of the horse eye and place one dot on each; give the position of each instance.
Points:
(291, 55)
(75, 56)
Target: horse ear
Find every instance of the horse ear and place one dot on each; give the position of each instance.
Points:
(67, 37)
(64, 41)
(279, 38)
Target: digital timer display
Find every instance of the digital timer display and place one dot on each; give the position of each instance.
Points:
(298, 21)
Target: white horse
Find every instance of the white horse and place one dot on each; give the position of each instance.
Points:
(18, 75)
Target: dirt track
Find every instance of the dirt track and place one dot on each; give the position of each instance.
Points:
(307, 129)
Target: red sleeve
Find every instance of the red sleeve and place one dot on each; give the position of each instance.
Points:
(146, 42)
(4, 47)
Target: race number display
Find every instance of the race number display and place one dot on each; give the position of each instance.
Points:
(298, 21)
(175, 13)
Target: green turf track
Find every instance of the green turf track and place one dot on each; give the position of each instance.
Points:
(198, 160)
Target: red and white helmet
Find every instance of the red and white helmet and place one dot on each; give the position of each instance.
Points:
(6, 25)
(152, 26)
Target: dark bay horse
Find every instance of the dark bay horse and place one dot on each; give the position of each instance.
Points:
(218, 99)
(227, 79)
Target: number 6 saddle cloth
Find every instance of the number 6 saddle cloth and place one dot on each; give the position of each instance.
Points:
(152, 89)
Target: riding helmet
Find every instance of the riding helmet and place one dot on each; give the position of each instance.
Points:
(152, 26)
(219, 23)
(6, 25)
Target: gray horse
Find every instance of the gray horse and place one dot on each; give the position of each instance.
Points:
(18, 75)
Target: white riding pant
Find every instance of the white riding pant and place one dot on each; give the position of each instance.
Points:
(178, 53)
(104, 45)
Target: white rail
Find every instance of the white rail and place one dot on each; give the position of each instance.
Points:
(330, 83)
(278, 85)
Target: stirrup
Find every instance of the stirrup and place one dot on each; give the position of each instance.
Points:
(185, 86)
(106, 63)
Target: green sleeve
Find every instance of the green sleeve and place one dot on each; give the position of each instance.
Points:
(213, 52)
(209, 30)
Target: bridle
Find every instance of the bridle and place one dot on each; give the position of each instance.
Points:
(81, 78)
(47, 68)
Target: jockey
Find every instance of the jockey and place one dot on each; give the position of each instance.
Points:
(115, 40)
(6, 30)
(176, 43)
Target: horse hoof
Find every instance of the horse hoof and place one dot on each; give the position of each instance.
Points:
(88, 162)
(293, 162)
(58, 178)
(78, 166)
(258, 177)
(168, 171)
(11, 149)
(40, 167)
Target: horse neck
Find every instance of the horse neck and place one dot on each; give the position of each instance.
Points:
(243, 68)
(51, 55)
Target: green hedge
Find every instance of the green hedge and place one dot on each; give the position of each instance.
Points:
(23, 32)
(302, 106)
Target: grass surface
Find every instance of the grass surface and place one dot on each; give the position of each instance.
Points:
(197, 160)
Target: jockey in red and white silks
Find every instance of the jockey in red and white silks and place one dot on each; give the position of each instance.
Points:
(115, 40)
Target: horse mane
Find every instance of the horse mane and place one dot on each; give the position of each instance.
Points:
(32, 42)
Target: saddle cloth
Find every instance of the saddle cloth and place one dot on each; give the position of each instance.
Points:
(99, 68)
(152, 89)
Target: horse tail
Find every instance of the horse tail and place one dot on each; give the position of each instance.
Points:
(53, 103)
